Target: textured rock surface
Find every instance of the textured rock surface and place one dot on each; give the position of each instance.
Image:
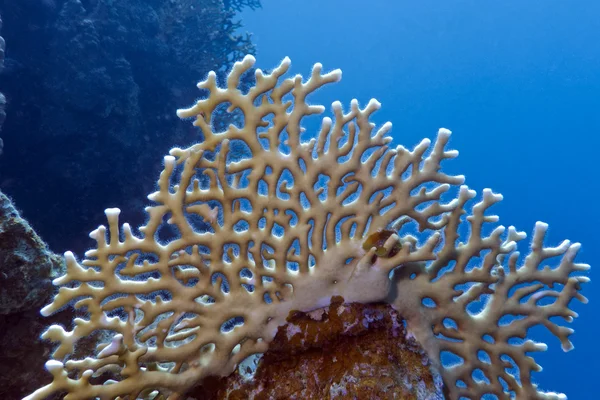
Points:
(26, 265)
(22, 354)
(345, 351)
(96, 113)
(26, 270)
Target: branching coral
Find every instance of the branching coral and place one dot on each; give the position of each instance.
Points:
(236, 240)
(481, 302)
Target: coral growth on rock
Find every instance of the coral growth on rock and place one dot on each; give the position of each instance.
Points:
(342, 351)
(262, 220)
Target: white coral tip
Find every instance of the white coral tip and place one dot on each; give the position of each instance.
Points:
(47, 310)
(425, 142)
(113, 348)
(69, 256)
(444, 132)
(337, 74)
(250, 59)
(94, 234)
(375, 103)
(112, 212)
(542, 226)
(470, 192)
(169, 160)
(53, 365)
(488, 194)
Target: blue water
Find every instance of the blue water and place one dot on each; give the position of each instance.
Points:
(518, 83)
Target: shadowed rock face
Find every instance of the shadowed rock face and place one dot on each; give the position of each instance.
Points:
(92, 87)
(89, 87)
(344, 351)
(26, 264)
(26, 270)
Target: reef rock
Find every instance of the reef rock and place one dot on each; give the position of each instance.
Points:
(26, 270)
(26, 265)
(344, 351)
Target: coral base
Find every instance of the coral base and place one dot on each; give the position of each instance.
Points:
(345, 351)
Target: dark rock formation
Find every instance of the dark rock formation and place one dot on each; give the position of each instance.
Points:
(92, 87)
(26, 270)
(27, 267)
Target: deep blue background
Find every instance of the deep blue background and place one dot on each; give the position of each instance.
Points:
(518, 82)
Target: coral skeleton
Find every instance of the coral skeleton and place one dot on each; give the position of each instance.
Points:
(263, 219)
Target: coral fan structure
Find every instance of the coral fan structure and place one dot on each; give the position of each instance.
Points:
(258, 221)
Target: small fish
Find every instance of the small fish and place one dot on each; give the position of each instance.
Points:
(378, 240)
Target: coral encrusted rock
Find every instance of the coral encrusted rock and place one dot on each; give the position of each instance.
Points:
(343, 351)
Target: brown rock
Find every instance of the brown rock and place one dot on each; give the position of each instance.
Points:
(344, 351)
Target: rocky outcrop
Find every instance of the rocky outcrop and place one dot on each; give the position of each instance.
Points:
(91, 86)
(27, 267)
(344, 351)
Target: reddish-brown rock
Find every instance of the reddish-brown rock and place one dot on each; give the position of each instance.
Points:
(345, 351)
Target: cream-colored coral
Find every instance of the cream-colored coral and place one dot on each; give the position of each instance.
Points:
(476, 302)
(255, 222)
